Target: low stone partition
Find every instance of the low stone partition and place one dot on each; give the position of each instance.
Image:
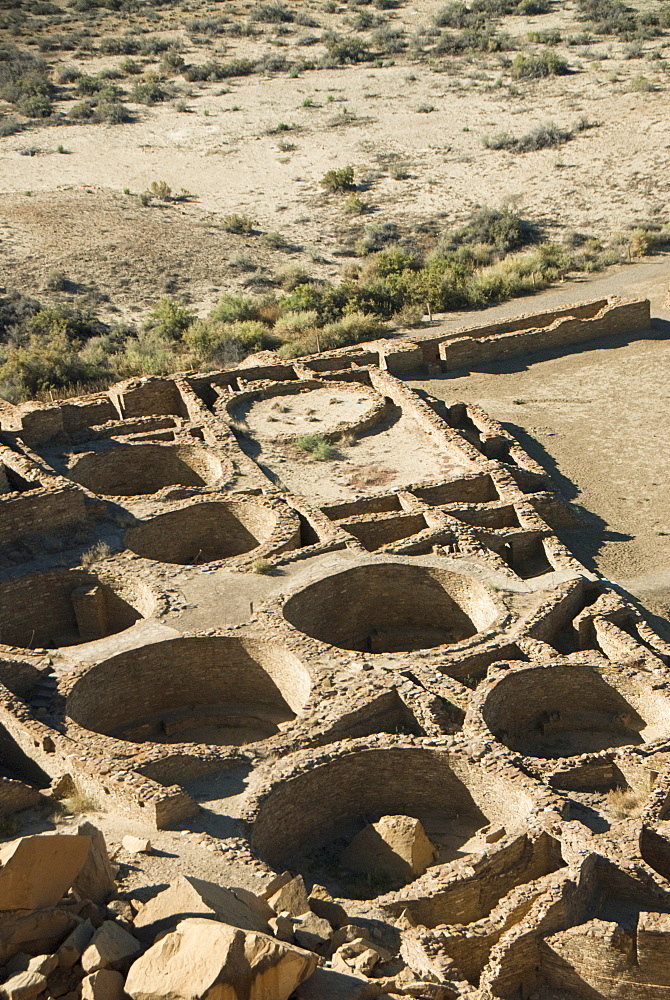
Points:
(481, 346)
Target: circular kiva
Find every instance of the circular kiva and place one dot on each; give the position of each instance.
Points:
(391, 608)
(141, 469)
(64, 608)
(201, 689)
(203, 532)
(570, 709)
(309, 820)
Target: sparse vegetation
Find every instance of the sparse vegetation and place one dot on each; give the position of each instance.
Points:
(317, 446)
(337, 180)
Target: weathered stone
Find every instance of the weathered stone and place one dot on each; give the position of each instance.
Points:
(95, 881)
(121, 909)
(36, 871)
(282, 927)
(105, 984)
(291, 898)
(329, 984)
(189, 897)
(23, 986)
(204, 958)
(75, 944)
(43, 964)
(136, 845)
(395, 847)
(311, 931)
(111, 947)
(63, 981)
(322, 903)
(35, 931)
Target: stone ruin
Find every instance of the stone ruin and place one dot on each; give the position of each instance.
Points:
(453, 737)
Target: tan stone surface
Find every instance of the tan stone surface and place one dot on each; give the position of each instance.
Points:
(202, 958)
(395, 847)
(36, 871)
(111, 947)
(192, 896)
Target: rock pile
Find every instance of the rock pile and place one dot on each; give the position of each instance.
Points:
(67, 933)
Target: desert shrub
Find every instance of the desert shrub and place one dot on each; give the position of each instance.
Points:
(160, 190)
(295, 324)
(172, 61)
(69, 74)
(126, 46)
(346, 49)
(644, 242)
(25, 82)
(56, 281)
(541, 64)
(545, 136)
(549, 36)
(9, 125)
(501, 228)
(213, 71)
(338, 179)
(389, 39)
(641, 84)
(217, 342)
(355, 205)
(148, 91)
(232, 307)
(111, 113)
(207, 25)
(272, 12)
(240, 224)
(317, 446)
(88, 85)
(169, 320)
(130, 67)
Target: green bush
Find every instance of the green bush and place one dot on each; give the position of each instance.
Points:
(232, 307)
(169, 319)
(317, 446)
(545, 136)
(537, 65)
(148, 92)
(337, 180)
(240, 224)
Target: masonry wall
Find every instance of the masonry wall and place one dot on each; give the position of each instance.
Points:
(39, 512)
(476, 350)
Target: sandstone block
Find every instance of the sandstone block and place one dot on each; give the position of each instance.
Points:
(190, 897)
(322, 903)
(35, 931)
(136, 845)
(282, 926)
(395, 847)
(204, 958)
(23, 986)
(36, 871)
(105, 984)
(291, 898)
(329, 984)
(311, 931)
(95, 881)
(111, 947)
(43, 964)
(75, 944)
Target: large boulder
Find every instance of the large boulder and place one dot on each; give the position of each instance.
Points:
(111, 947)
(395, 847)
(36, 871)
(33, 931)
(95, 881)
(206, 960)
(291, 898)
(194, 897)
